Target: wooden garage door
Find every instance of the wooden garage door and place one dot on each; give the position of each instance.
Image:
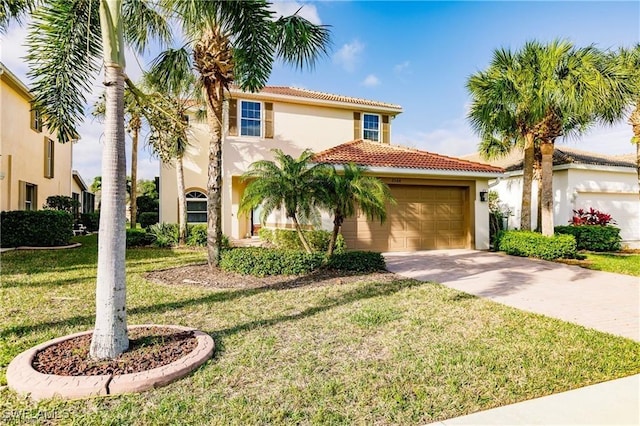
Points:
(425, 218)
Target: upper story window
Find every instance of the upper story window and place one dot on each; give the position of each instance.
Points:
(49, 146)
(36, 119)
(250, 118)
(371, 127)
(196, 207)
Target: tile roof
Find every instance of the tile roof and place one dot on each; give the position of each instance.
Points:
(562, 155)
(375, 154)
(312, 94)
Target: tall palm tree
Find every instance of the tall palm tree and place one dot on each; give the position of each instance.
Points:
(293, 184)
(543, 92)
(238, 42)
(630, 61)
(352, 189)
(69, 41)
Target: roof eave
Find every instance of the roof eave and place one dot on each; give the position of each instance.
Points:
(378, 170)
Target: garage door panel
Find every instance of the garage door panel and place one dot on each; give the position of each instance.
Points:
(425, 217)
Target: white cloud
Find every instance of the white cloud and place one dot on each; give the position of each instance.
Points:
(402, 68)
(371, 81)
(349, 55)
(306, 10)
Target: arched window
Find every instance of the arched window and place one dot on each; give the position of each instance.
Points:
(196, 207)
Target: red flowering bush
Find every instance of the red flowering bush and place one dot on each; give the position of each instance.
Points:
(591, 217)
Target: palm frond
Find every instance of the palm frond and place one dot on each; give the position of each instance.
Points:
(142, 23)
(14, 10)
(299, 42)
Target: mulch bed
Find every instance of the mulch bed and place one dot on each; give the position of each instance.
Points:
(203, 276)
(149, 347)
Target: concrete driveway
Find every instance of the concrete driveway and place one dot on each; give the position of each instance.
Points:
(600, 300)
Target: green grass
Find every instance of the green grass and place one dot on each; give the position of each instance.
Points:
(403, 352)
(628, 264)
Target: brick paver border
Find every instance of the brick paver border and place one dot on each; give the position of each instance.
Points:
(25, 380)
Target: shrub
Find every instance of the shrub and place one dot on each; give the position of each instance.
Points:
(261, 261)
(61, 202)
(288, 239)
(147, 204)
(532, 244)
(591, 217)
(147, 219)
(91, 221)
(43, 228)
(357, 261)
(139, 238)
(166, 234)
(593, 237)
(197, 236)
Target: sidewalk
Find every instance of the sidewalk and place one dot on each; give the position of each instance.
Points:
(600, 300)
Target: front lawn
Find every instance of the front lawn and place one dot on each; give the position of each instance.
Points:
(619, 263)
(398, 352)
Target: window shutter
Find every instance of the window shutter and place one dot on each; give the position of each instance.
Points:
(386, 129)
(233, 117)
(22, 194)
(34, 202)
(357, 126)
(268, 120)
(48, 157)
(36, 120)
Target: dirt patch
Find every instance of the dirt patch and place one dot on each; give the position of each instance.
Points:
(203, 276)
(149, 347)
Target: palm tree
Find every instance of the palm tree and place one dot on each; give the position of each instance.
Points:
(630, 61)
(544, 92)
(350, 190)
(290, 183)
(238, 42)
(69, 41)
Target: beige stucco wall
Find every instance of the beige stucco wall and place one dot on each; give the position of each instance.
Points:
(22, 151)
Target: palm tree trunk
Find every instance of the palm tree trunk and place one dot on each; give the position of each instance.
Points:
(110, 333)
(527, 179)
(303, 239)
(634, 119)
(537, 176)
(547, 187)
(134, 177)
(214, 182)
(182, 203)
(337, 223)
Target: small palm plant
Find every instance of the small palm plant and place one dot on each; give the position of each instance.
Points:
(350, 190)
(293, 184)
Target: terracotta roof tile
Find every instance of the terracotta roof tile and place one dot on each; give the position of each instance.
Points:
(312, 94)
(375, 154)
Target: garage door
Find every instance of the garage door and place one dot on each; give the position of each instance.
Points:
(425, 218)
(623, 208)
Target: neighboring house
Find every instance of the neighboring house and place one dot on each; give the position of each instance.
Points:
(438, 197)
(581, 180)
(33, 165)
(81, 193)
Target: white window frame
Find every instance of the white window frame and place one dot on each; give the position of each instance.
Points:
(198, 199)
(30, 195)
(379, 131)
(261, 119)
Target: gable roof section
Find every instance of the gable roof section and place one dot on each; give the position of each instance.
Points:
(295, 93)
(561, 156)
(375, 154)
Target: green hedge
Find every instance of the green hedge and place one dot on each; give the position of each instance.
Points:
(532, 244)
(139, 238)
(41, 228)
(593, 237)
(261, 262)
(357, 261)
(288, 239)
(147, 219)
(91, 221)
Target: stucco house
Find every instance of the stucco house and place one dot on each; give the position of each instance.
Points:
(81, 193)
(438, 197)
(581, 180)
(33, 165)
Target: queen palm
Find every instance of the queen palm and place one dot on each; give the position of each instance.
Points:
(352, 189)
(630, 61)
(292, 184)
(69, 41)
(546, 91)
(238, 42)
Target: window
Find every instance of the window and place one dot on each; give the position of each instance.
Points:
(371, 127)
(48, 158)
(76, 206)
(196, 207)
(250, 116)
(88, 202)
(28, 195)
(36, 119)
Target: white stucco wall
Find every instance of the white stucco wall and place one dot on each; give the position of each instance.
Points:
(613, 190)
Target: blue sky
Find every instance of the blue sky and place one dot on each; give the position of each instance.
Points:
(418, 55)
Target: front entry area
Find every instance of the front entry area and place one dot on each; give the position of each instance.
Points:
(424, 218)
